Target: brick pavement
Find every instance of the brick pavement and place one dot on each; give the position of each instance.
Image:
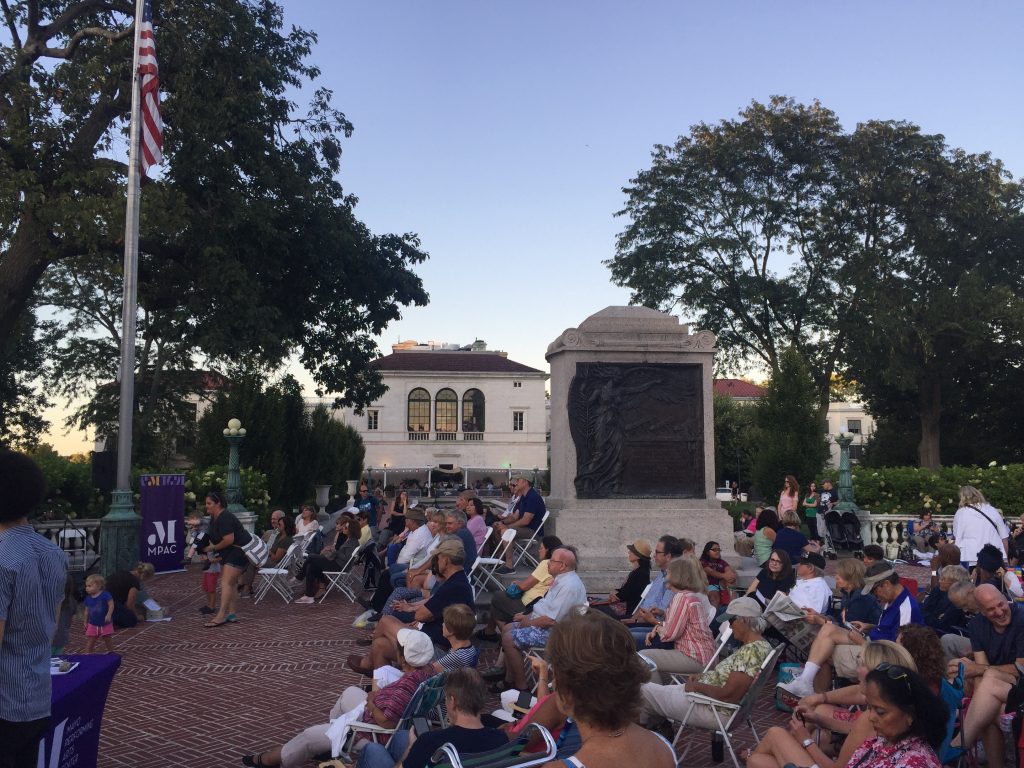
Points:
(194, 697)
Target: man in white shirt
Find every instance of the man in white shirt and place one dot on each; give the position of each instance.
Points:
(811, 590)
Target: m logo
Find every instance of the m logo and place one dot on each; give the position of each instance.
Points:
(58, 744)
(163, 533)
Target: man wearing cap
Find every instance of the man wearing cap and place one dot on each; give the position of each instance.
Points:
(447, 562)
(567, 594)
(383, 707)
(728, 681)
(997, 640)
(525, 518)
(811, 590)
(842, 646)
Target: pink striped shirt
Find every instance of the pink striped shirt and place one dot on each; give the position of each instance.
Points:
(686, 627)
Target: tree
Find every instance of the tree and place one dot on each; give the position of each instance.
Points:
(733, 223)
(790, 431)
(940, 293)
(21, 402)
(734, 440)
(296, 449)
(250, 248)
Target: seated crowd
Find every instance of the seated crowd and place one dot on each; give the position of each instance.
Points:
(676, 644)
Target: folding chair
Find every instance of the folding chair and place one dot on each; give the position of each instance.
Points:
(509, 756)
(484, 567)
(734, 714)
(524, 549)
(425, 702)
(276, 578)
(342, 580)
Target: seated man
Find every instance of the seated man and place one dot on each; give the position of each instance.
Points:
(525, 517)
(997, 638)
(939, 612)
(383, 706)
(653, 607)
(567, 593)
(811, 590)
(728, 681)
(955, 643)
(841, 646)
(428, 615)
(872, 554)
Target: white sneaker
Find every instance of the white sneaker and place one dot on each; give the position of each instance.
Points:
(798, 687)
(305, 600)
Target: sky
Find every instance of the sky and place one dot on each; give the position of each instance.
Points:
(502, 133)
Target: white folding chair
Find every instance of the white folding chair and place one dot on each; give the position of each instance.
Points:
(523, 550)
(679, 678)
(734, 714)
(484, 567)
(342, 580)
(276, 577)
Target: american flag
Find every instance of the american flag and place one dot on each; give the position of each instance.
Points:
(152, 136)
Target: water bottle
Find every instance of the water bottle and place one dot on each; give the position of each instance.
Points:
(717, 747)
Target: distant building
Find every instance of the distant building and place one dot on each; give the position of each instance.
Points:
(454, 409)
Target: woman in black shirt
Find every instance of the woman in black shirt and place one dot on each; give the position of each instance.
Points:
(227, 536)
(777, 575)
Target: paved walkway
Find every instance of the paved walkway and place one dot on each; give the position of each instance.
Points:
(194, 697)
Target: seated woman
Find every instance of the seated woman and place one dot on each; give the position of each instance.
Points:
(839, 711)
(282, 542)
(127, 588)
(853, 605)
(777, 575)
(947, 554)
(992, 570)
(924, 529)
(939, 612)
(623, 601)
(765, 532)
(598, 677)
(728, 681)
(333, 557)
(719, 573)
(307, 523)
(383, 706)
(790, 539)
(685, 626)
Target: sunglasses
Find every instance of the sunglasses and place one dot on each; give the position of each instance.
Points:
(895, 672)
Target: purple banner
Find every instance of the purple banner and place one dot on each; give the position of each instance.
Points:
(162, 536)
(76, 712)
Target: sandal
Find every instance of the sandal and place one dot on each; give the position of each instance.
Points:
(231, 618)
(253, 761)
(215, 623)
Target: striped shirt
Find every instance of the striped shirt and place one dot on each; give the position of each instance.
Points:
(33, 571)
(686, 626)
(463, 657)
(394, 698)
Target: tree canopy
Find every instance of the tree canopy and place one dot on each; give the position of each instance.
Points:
(249, 246)
(880, 255)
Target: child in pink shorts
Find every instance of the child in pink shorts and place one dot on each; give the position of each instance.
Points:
(196, 540)
(99, 613)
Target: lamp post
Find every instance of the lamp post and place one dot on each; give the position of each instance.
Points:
(234, 433)
(119, 532)
(846, 502)
(385, 478)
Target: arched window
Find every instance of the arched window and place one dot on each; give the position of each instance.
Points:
(473, 411)
(446, 411)
(419, 410)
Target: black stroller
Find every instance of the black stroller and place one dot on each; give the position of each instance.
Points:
(843, 531)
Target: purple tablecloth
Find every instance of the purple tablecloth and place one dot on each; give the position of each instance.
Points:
(77, 704)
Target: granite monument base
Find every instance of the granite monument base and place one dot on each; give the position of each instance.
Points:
(600, 529)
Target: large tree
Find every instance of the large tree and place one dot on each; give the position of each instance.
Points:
(732, 225)
(250, 247)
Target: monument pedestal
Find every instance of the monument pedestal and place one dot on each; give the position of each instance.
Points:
(601, 528)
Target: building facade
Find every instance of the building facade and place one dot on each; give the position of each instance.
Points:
(454, 408)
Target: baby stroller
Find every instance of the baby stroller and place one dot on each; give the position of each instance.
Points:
(835, 533)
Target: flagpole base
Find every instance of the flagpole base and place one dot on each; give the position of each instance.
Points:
(119, 534)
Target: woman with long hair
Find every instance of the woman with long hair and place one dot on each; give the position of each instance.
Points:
(764, 534)
(719, 573)
(777, 575)
(789, 498)
(307, 524)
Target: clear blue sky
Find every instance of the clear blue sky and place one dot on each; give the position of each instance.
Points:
(503, 132)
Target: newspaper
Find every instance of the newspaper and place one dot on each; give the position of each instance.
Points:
(788, 619)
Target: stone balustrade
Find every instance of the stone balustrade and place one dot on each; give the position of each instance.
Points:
(890, 531)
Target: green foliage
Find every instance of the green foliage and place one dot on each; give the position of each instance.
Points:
(69, 488)
(908, 490)
(734, 440)
(255, 498)
(295, 449)
(790, 433)
(21, 399)
(250, 248)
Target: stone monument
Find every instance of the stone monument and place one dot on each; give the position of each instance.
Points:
(632, 438)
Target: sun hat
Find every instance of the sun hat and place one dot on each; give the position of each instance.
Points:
(744, 606)
(640, 548)
(417, 647)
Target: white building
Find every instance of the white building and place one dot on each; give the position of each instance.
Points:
(454, 408)
(849, 417)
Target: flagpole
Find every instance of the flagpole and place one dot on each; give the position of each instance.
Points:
(119, 529)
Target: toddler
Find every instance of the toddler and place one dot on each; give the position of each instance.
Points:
(196, 540)
(99, 613)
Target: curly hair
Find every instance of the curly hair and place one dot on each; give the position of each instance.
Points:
(596, 668)
(924, 646)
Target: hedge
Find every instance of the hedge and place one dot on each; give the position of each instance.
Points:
(908, 490)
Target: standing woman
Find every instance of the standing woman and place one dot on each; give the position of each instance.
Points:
(720, 574)
(789, 499)
(977, 523)
(396, 520)
(811, 510)
(227, 537)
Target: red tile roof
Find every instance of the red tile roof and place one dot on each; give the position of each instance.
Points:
(450, 362)
(737, 388)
